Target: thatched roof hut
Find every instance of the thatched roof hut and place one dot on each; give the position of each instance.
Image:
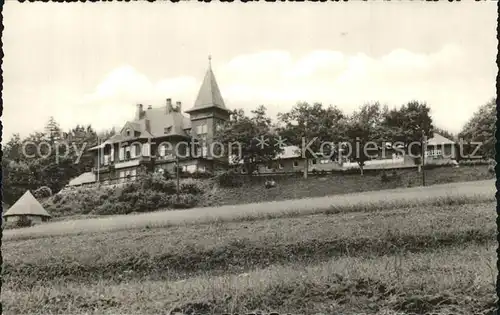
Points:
(29, 208)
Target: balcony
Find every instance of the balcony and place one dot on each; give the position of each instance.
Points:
(127, 163)
(133, 161)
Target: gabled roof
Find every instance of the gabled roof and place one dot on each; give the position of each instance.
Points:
(153, 125)
(27, 205)
(158, 119)
(84, 178)
(209, 94)
(289, 152)
(439, 140)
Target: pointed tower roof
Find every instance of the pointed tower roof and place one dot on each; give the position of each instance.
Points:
(209, 94)
(27, 205)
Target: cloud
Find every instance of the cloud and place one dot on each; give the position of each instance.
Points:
(114, 99)
(278, 80)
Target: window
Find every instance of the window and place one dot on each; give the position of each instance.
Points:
(295, 163)
(219, 125)
(313, 161)
(201, 129)
(167, 130)
(128, 133)
(269, 166)
(127, 153)
(145, 149)
(162, 150)
(280, 166)
(121, 155)
(433, 153)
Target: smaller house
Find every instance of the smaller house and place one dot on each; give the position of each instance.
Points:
(28, 207)
(439, 149)
(85, 178)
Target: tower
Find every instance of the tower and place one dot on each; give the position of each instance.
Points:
(208, 112)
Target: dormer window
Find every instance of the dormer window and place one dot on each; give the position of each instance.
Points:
(167, 130)
(128, 132)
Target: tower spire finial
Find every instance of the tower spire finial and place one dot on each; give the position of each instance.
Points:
(210, 61)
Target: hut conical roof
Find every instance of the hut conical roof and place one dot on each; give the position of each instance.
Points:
(27, 205)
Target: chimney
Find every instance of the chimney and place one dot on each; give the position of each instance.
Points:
(139, 112)
(169, 105)
(178, 107)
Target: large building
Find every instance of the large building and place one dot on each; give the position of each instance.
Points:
(158, 139)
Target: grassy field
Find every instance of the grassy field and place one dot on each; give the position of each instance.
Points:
(412, 250)
(445, 194)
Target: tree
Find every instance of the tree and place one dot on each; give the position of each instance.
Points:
(312, 128)
(409, 125)
(52, 131)
(364, 128)
(13, 148)
(28, 167)
(253, 135)
(481, 128)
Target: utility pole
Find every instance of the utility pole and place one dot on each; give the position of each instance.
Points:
(98, 159)
(177, 174)
(424, 149)
(306, 164)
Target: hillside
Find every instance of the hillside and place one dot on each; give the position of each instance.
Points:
(295, 186)
(158, 194)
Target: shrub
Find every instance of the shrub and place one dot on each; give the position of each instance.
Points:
(148, 193)
(491, 169)
(166, 175)
(185, 201)
(42, 192)
(191, 186)
(229, 179)
(23, 221)
(155, 183)
(57, 198)
(270, 183)
(474, 162)
(198, 174)
(384, 178)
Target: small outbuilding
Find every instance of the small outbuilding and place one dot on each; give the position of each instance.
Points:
(27, 207)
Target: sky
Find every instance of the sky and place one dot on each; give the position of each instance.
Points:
(91, 63)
